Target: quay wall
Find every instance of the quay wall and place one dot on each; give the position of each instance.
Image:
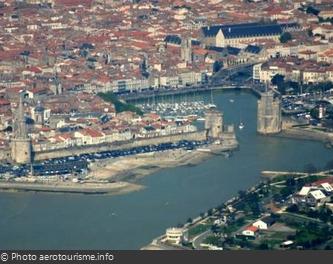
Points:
(199, 135)
(82, 188)
(156, 93)
(301, 133)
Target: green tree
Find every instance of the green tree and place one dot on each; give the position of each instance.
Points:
(310, 34)
(120, 106)
(278, 80)
(285, 37)
(293, 208)
(312, 10)
(263, 246)
(217, 66)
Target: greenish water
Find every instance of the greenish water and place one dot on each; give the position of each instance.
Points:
(57, 221)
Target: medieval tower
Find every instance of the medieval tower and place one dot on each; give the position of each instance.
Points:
(269, 114)
(21, 143)
(186, 50)
(214, 124)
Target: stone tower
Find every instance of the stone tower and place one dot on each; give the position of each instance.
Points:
(21, 143)
(186, 50)
(214, 123)
(39, 114)
(269, 114)
(56, 86)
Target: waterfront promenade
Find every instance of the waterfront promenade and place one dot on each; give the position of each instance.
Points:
(254, 88)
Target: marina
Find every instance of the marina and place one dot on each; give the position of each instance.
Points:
(175, 109)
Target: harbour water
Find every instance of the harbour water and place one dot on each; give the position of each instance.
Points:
(171, 196)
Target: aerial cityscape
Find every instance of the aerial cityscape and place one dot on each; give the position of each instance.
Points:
(166, 125)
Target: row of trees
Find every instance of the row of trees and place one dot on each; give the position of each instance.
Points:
(285, 85)
(119, 105)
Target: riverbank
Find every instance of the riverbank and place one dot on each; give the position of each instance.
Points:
(223, 227)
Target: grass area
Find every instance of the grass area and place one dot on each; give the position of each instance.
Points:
(235, 226)
(309, 179)
(305, 235)
(310, 233)
(119, 105)
(198, 229)
(269, 244)
(213, 240)
(278, 236)
(282, 178)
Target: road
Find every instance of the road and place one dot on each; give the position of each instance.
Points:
(200, 238)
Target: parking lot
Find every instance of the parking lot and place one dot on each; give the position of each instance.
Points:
(79, 164)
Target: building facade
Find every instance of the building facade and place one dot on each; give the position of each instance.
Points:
(238, 35)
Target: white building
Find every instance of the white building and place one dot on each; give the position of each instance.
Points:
(176, 235)
(261, 225)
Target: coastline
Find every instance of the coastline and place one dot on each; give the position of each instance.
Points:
(138, 166)
(120, 175)
(160, 242)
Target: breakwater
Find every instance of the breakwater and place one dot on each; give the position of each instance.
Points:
(80, 188)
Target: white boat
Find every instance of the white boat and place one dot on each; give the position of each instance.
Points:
(231, 100)
(241, 125)
(211, 106)
(201, 119)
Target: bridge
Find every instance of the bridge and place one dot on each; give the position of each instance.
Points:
(225, 73)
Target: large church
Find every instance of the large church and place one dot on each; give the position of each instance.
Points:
(236, 35)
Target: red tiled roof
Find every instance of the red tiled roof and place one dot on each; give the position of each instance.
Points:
(73, 2)
(252, 228)
(319, 182)
(92, 132)
(4, 102)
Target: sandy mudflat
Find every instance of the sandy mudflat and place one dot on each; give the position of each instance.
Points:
(132, 168)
